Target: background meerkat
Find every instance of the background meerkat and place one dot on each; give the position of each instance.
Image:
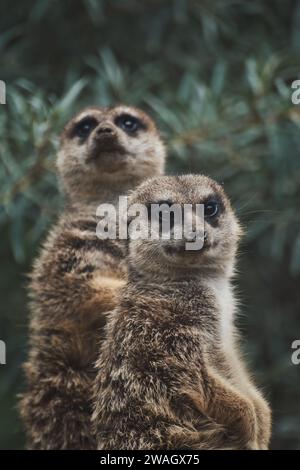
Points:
(103, 152)
(170, 374)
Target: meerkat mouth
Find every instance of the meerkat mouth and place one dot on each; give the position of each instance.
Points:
(181, 250)
(178, 250)
(106, 146)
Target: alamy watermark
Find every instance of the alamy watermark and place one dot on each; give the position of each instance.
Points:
(2, 92)
(296, 94)
(296, 354)
(156, 221)
(2, 352)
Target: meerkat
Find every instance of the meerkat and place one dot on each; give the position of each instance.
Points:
(170, 374)
(103, 152)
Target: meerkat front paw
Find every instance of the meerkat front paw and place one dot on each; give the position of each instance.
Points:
(264, 420)
(242, 423)
(227, 406)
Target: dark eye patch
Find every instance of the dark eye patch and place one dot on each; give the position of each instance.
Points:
(213, 207)
(84, 127)
(129, 124)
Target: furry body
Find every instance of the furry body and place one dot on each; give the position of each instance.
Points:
(76, 278)
(170, 376)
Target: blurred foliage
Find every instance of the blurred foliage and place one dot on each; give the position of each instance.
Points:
(217, 78)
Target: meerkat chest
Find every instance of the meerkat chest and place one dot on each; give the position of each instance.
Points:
(225, 301)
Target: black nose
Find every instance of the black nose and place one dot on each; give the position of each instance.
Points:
(105, 130)
(192, 235)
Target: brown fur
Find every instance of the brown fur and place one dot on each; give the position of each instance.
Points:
(165, 378)
(76, 278)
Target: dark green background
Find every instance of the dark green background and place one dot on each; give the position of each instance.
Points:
(216, 75)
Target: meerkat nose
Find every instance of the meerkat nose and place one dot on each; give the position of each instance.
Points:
(105, 129)
(191, 236)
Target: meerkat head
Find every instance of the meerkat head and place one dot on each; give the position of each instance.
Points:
(108, 149)
(219, 234)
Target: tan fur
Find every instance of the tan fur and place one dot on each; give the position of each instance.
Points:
(166, 377)
(107, 282)
(76, 278)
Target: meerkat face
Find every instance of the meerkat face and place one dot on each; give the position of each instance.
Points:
(219, 237)
(105, 146)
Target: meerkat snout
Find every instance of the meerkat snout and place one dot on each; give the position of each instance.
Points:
(101, 147)
(104, 141)
(217, 234)
(105, 129)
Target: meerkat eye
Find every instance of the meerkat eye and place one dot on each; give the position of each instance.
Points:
(84, 127)
(128, 123)
(211, 209)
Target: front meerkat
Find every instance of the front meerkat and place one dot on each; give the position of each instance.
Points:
(75, 280)
(170, 371)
